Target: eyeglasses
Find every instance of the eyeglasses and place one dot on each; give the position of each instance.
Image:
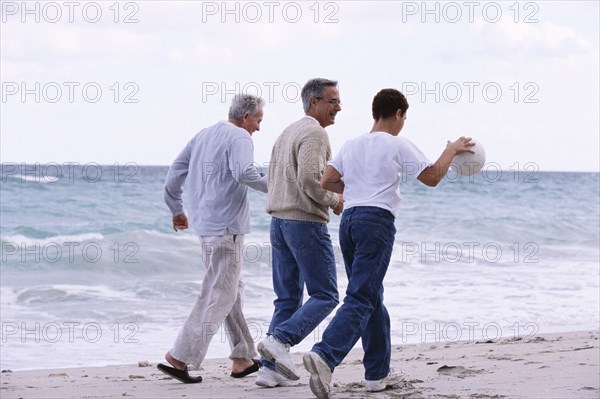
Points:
(333, 101)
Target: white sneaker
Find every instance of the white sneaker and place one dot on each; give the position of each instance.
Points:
(386, 382)
(271, 378)
(279, 354)
(320, 375)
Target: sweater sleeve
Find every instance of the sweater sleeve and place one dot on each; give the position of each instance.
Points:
(313, 153)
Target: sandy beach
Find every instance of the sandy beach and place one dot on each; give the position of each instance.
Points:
(564, 365)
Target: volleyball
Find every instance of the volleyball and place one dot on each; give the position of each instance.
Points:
(467, 164)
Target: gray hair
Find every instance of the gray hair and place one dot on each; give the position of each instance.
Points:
(243, 103)
(315, 88)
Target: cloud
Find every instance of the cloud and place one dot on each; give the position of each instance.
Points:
(547, 40)
(172, 54)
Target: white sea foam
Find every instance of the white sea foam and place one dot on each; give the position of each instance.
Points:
(73, 292)
(19, 239)
(39, 179)
(188, 236)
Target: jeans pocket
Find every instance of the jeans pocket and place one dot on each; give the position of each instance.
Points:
(381, 232)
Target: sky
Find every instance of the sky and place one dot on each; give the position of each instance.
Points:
(132, 81)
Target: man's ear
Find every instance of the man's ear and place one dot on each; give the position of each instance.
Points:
(399, 114)
(245, 116)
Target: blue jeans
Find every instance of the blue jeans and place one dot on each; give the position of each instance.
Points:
(302, 254)
(367, 239)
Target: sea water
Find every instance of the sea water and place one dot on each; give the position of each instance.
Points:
(92, 273)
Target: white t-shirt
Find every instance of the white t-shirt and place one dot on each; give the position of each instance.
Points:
(372, 167)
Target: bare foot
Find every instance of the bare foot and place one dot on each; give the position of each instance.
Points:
(240, 364)
(174, 362)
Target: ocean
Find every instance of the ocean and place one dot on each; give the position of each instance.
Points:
(93, 275)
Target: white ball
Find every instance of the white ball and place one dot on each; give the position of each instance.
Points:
(467, 164)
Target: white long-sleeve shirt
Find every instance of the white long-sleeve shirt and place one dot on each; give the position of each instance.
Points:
(218, 166)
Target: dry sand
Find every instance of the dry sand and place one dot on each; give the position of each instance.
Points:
(547, 366)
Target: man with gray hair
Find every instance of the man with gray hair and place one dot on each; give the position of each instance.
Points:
(217, 166)
(301, 246)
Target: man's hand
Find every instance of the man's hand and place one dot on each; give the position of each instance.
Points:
(340, 206)
(180, 222)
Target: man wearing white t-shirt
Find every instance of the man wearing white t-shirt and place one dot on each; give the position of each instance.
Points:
(368, 171)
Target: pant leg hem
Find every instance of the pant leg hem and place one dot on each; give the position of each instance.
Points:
(325, 358)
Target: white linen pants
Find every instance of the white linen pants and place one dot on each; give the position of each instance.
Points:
(220, 300)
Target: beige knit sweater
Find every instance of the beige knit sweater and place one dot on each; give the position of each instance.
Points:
(299, 157)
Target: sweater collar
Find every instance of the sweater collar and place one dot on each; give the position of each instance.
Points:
(311, 118)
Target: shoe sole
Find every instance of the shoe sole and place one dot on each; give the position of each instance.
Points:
(271, 382)
(320, 390)
(279, 367)
(388, 385)
(271, 385)
(265, 384)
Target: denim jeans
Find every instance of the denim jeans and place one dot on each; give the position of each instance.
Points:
(302, 254)
(367, 239)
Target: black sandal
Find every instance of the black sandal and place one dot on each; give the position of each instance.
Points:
(251, 369)
(181, 375)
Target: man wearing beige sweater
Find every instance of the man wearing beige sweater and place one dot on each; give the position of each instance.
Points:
(301, 246)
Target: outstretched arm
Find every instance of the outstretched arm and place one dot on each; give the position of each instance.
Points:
(432, 175)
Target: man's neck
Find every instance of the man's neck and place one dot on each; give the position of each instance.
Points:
(236, 122)
(386, 126)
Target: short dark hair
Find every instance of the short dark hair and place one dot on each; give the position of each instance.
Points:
(387, 102)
